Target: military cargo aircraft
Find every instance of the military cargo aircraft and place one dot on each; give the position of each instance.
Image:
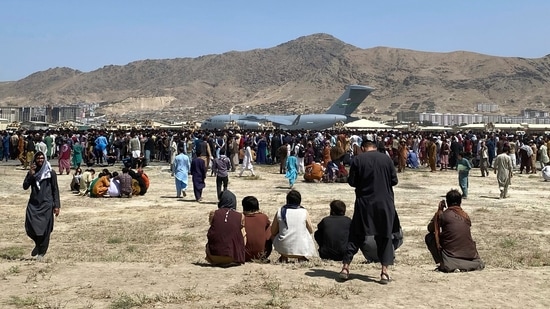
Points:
(339, 112)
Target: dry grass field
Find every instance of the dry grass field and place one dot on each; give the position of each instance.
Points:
(148, 252)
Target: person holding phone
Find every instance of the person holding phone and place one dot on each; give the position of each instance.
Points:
(43, 204)
(450, 240)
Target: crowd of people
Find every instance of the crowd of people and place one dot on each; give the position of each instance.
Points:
(374, 160)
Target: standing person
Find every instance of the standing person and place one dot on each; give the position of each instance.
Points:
(450, 240)
(247, 160)
(373, 176)
(402, 153)
(198, 175)
(300, 151)
(444, 152)
(6, 146)
(282, 154)
(534, 150)
(173, 153)
(544, 159)
(431, 150)
(234, 150)
(463, 166)
(64, 158)
(221, 167)
(503, 168)
(181, 172)
(48, 140)
(291, 169)
(135, 149)
(483, 159)
(77, 154)
(43, 203)
(100, 149)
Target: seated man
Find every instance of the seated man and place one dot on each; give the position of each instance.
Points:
(333, 232)
(314, 172)
(412, 159)
(291, 230)
(125, 181)
(331, 172)
(258, 231)
(450, 240)
(546, 172)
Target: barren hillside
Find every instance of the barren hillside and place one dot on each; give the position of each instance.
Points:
(303, 75)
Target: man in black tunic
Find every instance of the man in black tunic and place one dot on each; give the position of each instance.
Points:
(373, 175)
(43, 204)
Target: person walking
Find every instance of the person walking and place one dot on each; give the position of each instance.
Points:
(181, 172)
(503, 168)
(43, 205)
(463, 166)
(291, 169)
(247, 160)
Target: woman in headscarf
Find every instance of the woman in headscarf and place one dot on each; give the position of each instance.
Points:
(291, 230)
(43, 203)
(64, 158)
(226, 235)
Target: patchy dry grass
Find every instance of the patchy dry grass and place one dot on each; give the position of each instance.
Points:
(185, 295)
(148, 252)
(12, 253)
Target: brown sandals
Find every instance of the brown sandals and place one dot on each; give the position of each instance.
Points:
(385, 278)
(344, 274)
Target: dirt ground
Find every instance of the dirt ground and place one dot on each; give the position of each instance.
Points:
(148, 251)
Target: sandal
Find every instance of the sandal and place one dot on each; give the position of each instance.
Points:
(344, 273)
(385, 278)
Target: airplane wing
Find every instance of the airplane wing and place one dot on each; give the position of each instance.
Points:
(277, 120)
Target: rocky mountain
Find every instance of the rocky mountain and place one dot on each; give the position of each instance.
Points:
(303, 75)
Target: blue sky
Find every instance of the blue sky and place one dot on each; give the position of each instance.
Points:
(87, 35)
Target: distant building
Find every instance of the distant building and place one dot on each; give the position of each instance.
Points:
(533, 113)
(409, 116)
(10, 113)
(64, 113)
(486, 108)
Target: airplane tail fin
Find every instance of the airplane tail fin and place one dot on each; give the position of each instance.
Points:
(296, 121)
(348, 102)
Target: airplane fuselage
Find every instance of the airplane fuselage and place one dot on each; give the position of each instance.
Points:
(257, 122)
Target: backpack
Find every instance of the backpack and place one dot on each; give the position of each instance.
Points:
(301, 152)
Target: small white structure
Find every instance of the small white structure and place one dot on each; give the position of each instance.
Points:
(365, 124)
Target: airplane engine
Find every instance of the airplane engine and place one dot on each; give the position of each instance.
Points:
(250, 125)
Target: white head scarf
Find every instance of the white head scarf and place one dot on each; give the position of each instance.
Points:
(44, 172)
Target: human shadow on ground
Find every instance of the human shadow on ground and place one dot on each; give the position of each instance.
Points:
(490, 197)
(316, 272)
(282, 187)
